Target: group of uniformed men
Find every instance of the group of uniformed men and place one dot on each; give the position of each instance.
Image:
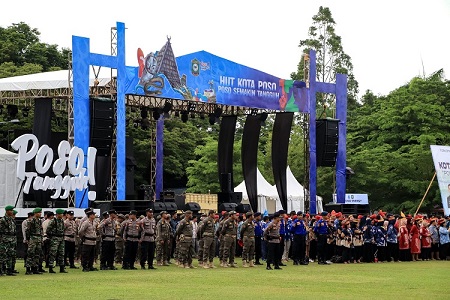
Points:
(285, 236)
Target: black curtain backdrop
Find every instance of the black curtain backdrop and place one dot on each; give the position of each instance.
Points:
(280, 145)
(42, 129)
(225, 147)
(249, 153)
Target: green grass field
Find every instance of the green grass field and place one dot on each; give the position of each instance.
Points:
(406, 280)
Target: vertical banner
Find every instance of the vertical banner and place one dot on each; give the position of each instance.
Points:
(225, 148)
(441, 158)
(249, 153)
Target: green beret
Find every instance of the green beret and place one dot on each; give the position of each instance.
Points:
(60, 211)
(37, 210)
(14, 212)
(9, 207)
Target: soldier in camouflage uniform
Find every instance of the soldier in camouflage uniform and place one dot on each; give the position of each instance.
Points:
(220, 237)
(55, 232)
(163, 237)
(184, 233)
(248, 237)
(8, 241)
(207, 233)
(229, 233)
(200, 240)
(34, 235)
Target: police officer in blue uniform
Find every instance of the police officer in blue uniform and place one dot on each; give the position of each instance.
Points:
(298, 229)
(321, 231)
(258, 236)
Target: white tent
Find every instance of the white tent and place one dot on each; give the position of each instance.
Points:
(295, 195)
(267, 194)
(9, 183)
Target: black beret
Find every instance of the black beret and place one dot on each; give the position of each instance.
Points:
(30, 214)
(50, 213)
(324, 214)
(133, 212)
(105, 213)
(87, 210)
(90, 213)
(257, 214)
(149, 210)
(70, 212)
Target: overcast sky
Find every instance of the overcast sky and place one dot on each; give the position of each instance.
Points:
(387, 40)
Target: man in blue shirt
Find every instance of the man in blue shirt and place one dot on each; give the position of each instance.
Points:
(321, 231)
(258, 237)
(298, 230)
(444, 241)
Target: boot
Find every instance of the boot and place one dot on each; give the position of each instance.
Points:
(244, 264)
(74, 267)
(186, 266)
(166, 263)
(205, 266)
(159, 263)
(50, 270)
(41, 269)
(251, 265)
(233, 265)
(225, 264)
(200, 264)
(28, 272)
(258, 263)
(277, 267)
(191, 266)
(62, 269)
(268, 267)
(36, 271)
(212, 266)
(9, 272)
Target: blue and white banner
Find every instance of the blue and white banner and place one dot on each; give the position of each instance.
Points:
(354, 199)
(441, 158)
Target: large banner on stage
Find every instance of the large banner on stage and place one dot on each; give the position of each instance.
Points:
(202, 76)
(441, 158)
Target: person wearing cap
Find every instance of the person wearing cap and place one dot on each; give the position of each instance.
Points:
(247, 233)
(184, 234)
(174, 220)
(131, 236)
(70, 233)
(229, 233)
(119, 242)
(444, 239)
(55, 234)
(88, 235)
(299, 231)
(273, 239)
(8, 241)
(107, 229)
(163, 239)
(258, 236)
(34, 235)
(207, 233)
(321, 230)
(200, 240)
(434, 239)
(219, 235)
(147, 240)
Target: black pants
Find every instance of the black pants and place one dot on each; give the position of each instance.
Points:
(69, 252)
(392, 252)
(147, 253)
(404, 255)
(130, 253)
(322, 247)
(257, 248)
(368, 252)
(299, 247)
(358, 253)
(381, 254)
(273, 252)
(107, 255)
(281, 250)
(426, 253)
(346, 254)
(87, 256)
(443, 248)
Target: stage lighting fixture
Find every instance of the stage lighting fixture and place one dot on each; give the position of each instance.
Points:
(191, 106)
(218, 112)
(167, 107)
(184, 116)
(156, 114)
(254, 112)
(25, 111)
(192, 115)
(212, 119)
(12, 111)
(144, 113)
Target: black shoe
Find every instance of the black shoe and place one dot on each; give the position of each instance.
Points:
(15, 271)
(295, 263)
(269, 268)
(112, 268)
(29, 272)
(74, 267)
(125, 267)
(36, 271)
(133, 268)
(278, 268)
(85, 270)
(42, 270)
(143, 267)
(151, 268)
(50, 270)
(9, 272)
(62, 269)
(258, 263)
(104, 268)
(93, 269)
(303, 263)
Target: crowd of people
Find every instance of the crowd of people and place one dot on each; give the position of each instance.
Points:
(58, 239)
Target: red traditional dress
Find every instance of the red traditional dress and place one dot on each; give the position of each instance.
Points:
(415, 240)
(425, 237)
(403, 238)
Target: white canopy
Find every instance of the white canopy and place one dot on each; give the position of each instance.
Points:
(9, 183)
(267, 194)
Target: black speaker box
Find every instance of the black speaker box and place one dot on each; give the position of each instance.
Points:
(233, 197)
(227, 207)
(327, 132)
(102, 125)
(243, 208)
(193, 206)
(225, 183)
(158, 206)
(171, 207)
